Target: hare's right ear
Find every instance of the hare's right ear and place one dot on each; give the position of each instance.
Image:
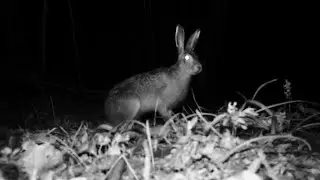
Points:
(180, 39)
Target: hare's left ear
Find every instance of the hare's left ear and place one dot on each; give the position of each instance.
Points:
(193, 40)
(179, 37)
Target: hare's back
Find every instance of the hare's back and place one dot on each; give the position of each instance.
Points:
(141, 86)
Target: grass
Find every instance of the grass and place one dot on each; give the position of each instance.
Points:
(252, 140)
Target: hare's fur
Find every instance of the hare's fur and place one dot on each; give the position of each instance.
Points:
(161, 89)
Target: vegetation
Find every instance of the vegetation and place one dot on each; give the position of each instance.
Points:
(252, 141)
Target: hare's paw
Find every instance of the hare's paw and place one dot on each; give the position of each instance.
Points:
(165, 113)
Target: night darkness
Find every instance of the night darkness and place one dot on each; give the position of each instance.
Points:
(74, 50)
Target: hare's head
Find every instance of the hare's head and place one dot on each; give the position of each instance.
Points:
(187, 59)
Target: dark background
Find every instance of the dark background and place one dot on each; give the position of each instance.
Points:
(73, 51)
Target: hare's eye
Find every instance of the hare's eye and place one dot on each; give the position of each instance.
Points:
(187, 57)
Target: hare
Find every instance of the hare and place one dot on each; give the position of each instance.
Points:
(161, 89)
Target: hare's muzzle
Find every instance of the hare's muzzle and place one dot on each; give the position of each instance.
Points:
(197, 69)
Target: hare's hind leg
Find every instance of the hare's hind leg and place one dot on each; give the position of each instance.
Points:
(122, 110)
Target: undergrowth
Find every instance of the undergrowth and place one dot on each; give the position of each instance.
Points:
(247, 141)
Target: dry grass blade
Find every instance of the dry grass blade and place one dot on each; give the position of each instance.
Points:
(261, 86)
(262, 106)
(210, 126)
(149, 141)
(307, 119)
(279, 104)
(74, 138)
(147, 159)
(307, 126)
(271, 138)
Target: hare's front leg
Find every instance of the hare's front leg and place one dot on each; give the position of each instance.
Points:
(165, 113)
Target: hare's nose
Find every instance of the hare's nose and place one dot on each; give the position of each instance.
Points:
(198, 68)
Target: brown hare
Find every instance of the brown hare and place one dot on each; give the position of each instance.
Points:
(161, 89)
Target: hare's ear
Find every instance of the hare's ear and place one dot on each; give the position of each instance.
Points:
(180, 38)
(193, 40)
